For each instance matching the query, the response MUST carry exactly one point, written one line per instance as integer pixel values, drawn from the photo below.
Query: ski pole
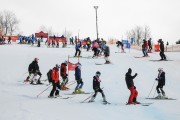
(70, 84)
(151, 89)
(44, 91)
(87, 98)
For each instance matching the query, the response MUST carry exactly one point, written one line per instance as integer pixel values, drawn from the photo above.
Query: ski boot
(159, 96)
(92, 99)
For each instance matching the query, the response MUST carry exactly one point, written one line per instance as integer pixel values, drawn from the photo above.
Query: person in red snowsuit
(55, 82)
(130, 85)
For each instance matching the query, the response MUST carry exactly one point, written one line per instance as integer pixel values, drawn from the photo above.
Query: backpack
(49, 76)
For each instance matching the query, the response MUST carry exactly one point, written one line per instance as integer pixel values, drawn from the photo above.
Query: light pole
(96, 7)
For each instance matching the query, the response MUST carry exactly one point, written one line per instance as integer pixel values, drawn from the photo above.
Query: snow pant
(159, 86)
(163, 57)
(145, 51)
(88, 47)
(78, 51)
(79, 84)
(133, 95)
(98, 90)
(54, 89)
(95, 52)
(150, 48)
(64, 81)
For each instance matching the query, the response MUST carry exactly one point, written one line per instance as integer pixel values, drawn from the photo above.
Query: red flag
(71, 66)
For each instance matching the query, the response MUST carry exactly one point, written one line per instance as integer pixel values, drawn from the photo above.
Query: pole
(44, 91)
(151, 89)
(96, 7)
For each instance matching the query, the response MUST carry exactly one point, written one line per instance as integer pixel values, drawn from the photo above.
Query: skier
(77, 47)
(33, 69)
(95, 47)
(119, 43)
(163, 57)
(144, 48)
(9, 40)
(55, 82)
(106, 54)
(96, 87)
(131, 87)
(161, 83)
(78, 79)
(150, 45)
(64, 75)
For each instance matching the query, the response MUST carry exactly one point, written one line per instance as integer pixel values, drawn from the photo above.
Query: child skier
(55, 82)
(161, 83)
(131, 87)
(78, 78)
(96, 87)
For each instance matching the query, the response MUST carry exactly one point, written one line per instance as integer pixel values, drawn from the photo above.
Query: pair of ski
(162, 98)
(60, 97)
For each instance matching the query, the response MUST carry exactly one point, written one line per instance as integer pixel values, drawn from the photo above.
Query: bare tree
(13, 22)
(8, 22)
(1, 22)
(146, 32)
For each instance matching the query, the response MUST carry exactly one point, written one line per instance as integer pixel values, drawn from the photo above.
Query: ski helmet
(66, 62)
(57, 66)
(160, 69)
(98, 73)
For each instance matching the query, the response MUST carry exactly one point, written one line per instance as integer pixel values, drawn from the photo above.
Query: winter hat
(36, 59)
(129, 70)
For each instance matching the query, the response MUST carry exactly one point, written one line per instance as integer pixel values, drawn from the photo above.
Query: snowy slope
(19, 102)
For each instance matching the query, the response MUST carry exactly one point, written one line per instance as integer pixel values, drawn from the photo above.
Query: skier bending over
(78, 79)
(96, 87)
(33, 69)
(131, 87)
(161, 83)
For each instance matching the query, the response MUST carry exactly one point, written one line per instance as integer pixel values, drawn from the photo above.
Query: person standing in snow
(161, 83)
(163, 56)
(55, 82)
(34, 69)
(64, 75)
(106, 54)
(77, 47)
(130, 85)
(96, 87)
(150, 45)
(144, 48)
(78, 79)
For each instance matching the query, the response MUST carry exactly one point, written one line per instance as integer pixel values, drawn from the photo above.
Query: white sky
(115, 17)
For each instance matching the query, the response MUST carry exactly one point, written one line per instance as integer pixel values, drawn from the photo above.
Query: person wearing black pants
(161, 83)
(55, 82)
(96, 87)
(163, 56)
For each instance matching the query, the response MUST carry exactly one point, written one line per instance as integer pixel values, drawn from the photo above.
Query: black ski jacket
(33, 67)
(129, 79)
(96, 83)
(161, 79)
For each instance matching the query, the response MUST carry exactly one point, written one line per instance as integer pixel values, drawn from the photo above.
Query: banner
(13, 38)
(71, 66)
(59, 39)
(44, 35)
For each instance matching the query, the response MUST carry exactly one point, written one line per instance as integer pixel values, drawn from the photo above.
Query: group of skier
(61, 70)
